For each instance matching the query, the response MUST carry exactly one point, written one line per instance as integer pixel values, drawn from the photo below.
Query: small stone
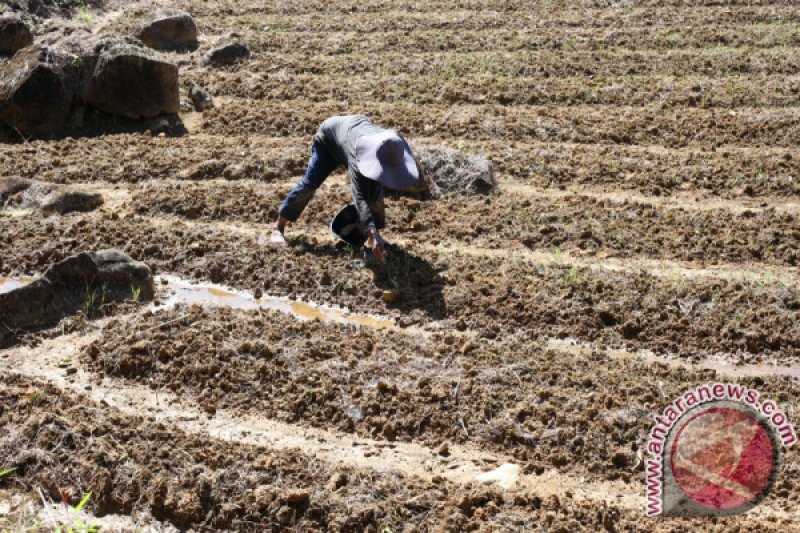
(226, 55)
(337, 481)
(298, 497)
(443, 450)
(200, 98)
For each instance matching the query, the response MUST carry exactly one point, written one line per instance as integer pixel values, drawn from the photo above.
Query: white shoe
(277, 238)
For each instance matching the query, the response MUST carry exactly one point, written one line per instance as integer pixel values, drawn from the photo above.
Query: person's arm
(365, 193)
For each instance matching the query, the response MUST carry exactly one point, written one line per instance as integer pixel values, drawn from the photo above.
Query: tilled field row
(120, 195)
(243, 472)
(689, 201)
(218, 483)
(346, 36)
(459, 465)
(485, 294)
(722, 92)
(371, 386)
(594, 225)
(732, 172)
(448, 65)
(298, 15)
(574, 124)
(313, 228)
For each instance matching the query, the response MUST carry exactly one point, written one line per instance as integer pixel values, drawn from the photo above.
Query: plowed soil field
(644, 239)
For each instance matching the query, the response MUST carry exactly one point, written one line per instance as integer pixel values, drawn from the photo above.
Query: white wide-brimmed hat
(386, 157)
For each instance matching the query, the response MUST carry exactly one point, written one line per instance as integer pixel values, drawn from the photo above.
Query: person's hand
(378, 246)
(277, 238)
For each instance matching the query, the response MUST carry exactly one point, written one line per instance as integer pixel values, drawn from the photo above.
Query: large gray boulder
(132, 82)
(171, 31)
(35, 91)
(40, 84)
(83, 281)
(14, 34)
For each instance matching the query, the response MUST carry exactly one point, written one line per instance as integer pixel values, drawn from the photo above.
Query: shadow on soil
(90, 123)
(419, 282)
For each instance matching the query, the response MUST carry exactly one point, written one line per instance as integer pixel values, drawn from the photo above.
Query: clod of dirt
(390, 295)
(226, 55)
(85, 280)
(66, 201)
(210, 169)
(298, 497)
(240, 171)
(453, 171)
(169, 31)
(14, 35)
(337, 481)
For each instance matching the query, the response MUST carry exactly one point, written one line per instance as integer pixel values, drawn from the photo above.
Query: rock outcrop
(83, 281)
(36, 91)
(130, 82)
(14, 34)
(48, 198)
(40, 85)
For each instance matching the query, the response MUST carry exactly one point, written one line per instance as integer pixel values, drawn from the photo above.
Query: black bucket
(347, 226)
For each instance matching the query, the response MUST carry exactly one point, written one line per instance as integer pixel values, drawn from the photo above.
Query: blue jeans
(320, 166)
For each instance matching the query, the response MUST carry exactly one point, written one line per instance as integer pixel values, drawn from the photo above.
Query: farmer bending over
(373, 157)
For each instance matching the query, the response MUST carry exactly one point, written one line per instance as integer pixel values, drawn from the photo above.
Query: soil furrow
(241, 473)
(590, 224)
(730, 172)
(299, 15)
(718, 92)
(575, 124)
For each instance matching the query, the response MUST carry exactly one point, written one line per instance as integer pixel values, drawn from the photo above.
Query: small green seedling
(85, 15)
(82, 503)
(79, 526)
(7, 471)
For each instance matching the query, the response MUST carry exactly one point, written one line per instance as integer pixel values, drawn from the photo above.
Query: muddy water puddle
(182, 291)
(718, 364)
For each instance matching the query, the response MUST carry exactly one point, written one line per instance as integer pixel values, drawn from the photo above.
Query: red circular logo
(722, 458)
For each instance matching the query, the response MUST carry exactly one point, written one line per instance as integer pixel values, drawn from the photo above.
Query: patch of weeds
(79, 526)
(571, 276)
(84, 15)
(33, 397)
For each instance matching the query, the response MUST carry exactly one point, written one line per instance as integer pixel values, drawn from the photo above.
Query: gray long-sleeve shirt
(339, 135)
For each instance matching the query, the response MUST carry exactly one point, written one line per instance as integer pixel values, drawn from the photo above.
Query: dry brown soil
(649, 194)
